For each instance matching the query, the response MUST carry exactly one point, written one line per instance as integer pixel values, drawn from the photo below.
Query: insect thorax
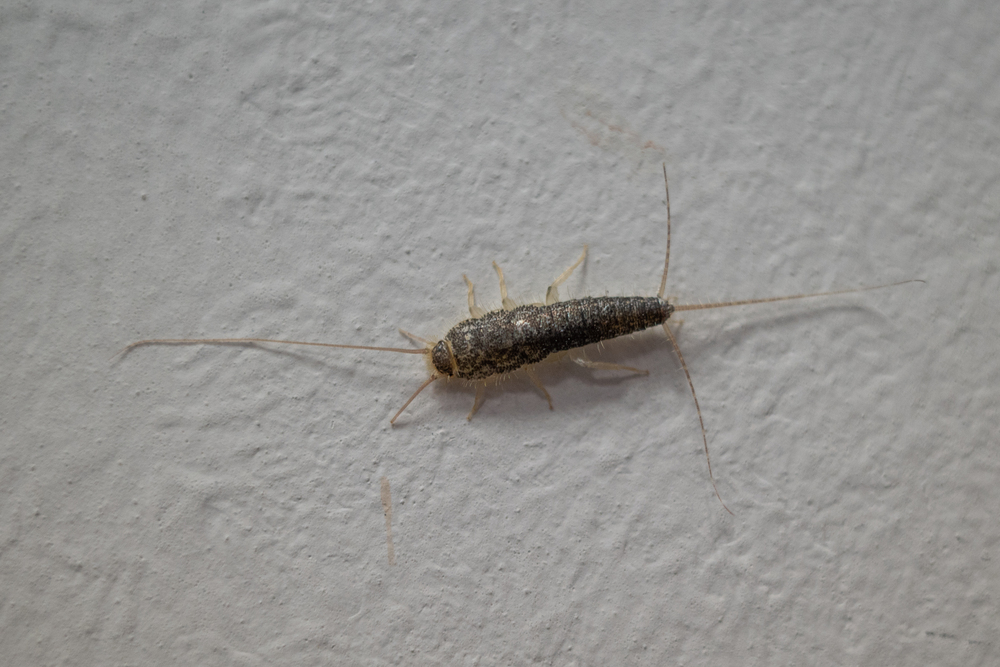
(501, 341)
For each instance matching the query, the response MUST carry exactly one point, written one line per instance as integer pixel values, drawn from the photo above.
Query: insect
(493, 344)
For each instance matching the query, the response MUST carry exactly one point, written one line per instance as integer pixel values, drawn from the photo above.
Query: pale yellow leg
(480, 395)
(604, 366)
(552, 295)
(508, 304)
(474, 310)
(538, 383)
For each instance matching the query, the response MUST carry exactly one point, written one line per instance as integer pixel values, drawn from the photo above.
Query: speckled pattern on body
(502, 341)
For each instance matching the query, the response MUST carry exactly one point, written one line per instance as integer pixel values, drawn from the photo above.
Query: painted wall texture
(328, 172)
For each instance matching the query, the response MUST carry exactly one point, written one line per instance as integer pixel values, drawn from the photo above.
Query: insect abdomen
(502, 341)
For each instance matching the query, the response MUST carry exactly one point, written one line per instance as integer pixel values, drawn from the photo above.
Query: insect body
(502, 341)
(494, 343)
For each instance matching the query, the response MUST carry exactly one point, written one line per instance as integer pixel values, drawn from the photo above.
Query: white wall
(328, 172)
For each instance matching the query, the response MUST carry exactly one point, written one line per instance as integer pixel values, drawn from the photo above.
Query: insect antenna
(410, 400)
(249, 341)
(246, 341)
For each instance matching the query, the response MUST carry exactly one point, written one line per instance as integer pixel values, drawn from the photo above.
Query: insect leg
(538, 383)
(552, 295)
(475, 311)
(604, 366)
(508, 304)
(480, 395)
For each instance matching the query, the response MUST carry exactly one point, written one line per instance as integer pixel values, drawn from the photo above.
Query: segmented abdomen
(502, 341)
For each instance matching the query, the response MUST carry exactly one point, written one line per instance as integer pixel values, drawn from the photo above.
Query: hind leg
(508, 304)
(552, 294)
(538, 383)
(604, 366)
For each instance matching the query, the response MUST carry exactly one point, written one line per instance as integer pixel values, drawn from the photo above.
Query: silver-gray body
(501, 341)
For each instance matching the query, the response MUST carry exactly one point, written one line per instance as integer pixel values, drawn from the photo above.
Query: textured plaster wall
(328, 171)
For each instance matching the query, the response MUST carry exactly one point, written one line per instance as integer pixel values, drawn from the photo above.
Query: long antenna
(244, 341)
(410, 400)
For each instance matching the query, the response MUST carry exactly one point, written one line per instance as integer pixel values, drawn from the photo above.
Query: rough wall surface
(328, 171)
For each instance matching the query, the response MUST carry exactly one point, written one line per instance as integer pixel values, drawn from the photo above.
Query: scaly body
(502, 341)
